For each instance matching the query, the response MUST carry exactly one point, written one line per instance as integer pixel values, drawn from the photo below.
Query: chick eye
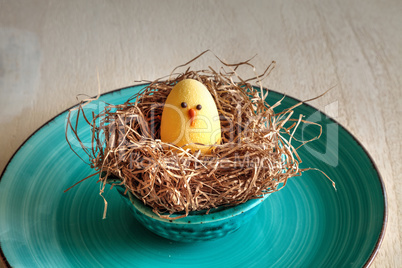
(199, 107)
(183, 104)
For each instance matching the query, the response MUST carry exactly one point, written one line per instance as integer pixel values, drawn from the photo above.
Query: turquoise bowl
(197, 226)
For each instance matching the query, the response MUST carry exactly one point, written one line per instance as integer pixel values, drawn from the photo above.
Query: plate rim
(380, 239)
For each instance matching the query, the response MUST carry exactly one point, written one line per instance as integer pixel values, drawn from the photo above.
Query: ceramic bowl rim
(216, 216)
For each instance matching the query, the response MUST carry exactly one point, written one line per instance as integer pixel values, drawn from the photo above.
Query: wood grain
(353, 46)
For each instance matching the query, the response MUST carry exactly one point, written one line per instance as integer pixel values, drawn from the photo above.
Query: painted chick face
(190, 117)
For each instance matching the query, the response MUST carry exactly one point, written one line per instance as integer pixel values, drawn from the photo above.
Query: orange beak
(192, 113)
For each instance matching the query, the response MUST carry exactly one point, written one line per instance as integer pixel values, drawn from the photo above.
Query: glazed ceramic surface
(306, 224)
(197, 226)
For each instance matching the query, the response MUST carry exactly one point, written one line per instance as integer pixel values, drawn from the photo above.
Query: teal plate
(306, 224)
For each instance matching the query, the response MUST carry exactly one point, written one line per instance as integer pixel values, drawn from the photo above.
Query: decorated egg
(190, 118)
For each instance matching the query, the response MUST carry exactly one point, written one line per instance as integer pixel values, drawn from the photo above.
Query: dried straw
(256, 156)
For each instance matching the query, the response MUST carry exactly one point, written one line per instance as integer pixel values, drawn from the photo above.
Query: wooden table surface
(50, 51)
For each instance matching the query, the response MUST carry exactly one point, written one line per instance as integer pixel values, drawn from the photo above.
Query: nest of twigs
(255, 157)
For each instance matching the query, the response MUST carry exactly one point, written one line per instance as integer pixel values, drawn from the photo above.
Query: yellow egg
(190, 117)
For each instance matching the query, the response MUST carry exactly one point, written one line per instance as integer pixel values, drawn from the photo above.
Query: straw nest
(255, 157)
